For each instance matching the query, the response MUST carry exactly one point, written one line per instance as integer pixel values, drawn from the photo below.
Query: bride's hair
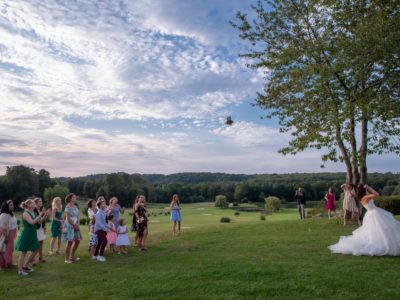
(360, 192)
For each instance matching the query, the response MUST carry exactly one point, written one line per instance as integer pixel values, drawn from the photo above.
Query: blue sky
(136, 86)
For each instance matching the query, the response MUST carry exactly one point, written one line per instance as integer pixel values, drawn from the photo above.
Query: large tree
(332, 73)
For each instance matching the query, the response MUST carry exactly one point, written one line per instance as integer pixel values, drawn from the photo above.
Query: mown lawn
(280, 258)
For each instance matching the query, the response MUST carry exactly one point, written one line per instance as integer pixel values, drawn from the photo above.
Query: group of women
(105, 227)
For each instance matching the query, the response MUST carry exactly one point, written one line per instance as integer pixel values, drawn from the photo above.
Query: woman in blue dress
(115, 209)
(175, 213)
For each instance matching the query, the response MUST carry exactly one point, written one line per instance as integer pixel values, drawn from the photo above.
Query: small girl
(56, 225)
(93, 238)
(123, 238)
(175, 213)
(111, 234)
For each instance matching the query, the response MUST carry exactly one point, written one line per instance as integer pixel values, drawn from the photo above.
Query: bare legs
(174, 227)
(74, 247)
(52, 242)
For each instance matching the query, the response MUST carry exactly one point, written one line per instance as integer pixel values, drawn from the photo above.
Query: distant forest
(21, 182)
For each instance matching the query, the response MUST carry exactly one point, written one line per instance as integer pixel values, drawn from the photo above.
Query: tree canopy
(332, 73)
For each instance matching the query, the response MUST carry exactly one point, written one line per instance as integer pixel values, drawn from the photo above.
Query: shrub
(56, 191)
(220, 201)
(235, 204)
(225, 220)
(272, 204)
(237, 213)
(396, 191)
(262, 217)
(317, 210)
(83, 221)
(389, 203)
(388, 190)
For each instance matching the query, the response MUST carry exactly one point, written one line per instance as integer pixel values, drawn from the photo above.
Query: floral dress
(69, 233)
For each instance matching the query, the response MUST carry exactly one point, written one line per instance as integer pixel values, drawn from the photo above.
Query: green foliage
(55, 191)
(327, 65)
(388, 190)
(396, 191)
(225, 220)
(220, 201)
(389, 203)
(83, 221)
(272, 204)
(262, 217)
(237, 213)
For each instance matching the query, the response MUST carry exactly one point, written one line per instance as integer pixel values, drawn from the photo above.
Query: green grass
(280, 258)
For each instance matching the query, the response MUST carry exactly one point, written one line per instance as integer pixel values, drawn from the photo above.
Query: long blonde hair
(54, 203)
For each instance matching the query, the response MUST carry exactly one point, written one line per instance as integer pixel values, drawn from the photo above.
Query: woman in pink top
(330, 202)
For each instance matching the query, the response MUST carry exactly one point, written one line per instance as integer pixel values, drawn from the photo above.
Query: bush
(235, 204)
(262, 217)
(55, 191)
(272, 204)
(237, 213)
(388, 190)
(225, 220)
(83, 221)
(317, 210)
(396, 191)
(389, 203)
(220, 201)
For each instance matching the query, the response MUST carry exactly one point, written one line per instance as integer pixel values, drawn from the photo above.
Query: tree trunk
(363, 149)
(354, 152)
(343, 151)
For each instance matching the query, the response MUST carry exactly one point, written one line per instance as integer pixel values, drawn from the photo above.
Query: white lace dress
(379, 235)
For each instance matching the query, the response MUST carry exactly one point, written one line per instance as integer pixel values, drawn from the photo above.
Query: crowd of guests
(106, 227)
(350, 206)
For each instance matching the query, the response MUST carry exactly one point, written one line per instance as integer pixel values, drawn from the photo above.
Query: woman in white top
(8, 232)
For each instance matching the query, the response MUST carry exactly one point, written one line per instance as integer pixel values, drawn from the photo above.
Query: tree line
(21, 182)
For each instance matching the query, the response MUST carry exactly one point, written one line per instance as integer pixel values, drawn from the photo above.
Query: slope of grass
(280, 258)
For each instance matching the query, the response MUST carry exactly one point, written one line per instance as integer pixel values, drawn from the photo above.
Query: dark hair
(5, 208)
(360, 192)
(89, 203)
(69, 197)
(110, 217)
(121, 221)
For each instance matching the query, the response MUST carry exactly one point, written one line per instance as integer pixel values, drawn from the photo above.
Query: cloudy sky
(136, 86)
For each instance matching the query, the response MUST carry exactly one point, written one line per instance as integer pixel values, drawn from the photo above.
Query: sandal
(58, 252)
(68, 261)
(75, 259)
(22, 273)
(50, 253)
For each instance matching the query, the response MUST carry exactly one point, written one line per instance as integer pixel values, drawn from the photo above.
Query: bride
(379, 234)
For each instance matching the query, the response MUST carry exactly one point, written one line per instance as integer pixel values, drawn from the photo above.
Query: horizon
(137, 86)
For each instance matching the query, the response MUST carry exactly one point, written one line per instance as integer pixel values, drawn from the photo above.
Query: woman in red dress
(330, 202)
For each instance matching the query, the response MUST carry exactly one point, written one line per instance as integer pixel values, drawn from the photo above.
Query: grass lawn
(280, 258)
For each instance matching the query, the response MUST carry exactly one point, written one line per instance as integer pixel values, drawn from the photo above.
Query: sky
(136, 86)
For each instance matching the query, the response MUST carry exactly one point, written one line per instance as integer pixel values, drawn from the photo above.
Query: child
(141, 219)
(100, 228)
(111, 234)
(175, 213)
(93, 238)
(123, 238)
(56, 225)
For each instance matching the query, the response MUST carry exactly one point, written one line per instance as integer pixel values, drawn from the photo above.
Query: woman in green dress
(27, 240)
(56, 224)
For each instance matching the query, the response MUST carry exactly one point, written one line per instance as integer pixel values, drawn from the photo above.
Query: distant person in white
(379, 233)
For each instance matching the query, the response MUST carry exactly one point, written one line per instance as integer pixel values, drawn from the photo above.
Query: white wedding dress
(379, 235)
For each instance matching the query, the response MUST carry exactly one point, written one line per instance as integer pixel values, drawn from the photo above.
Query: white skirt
(379, 235)
(40, 234)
